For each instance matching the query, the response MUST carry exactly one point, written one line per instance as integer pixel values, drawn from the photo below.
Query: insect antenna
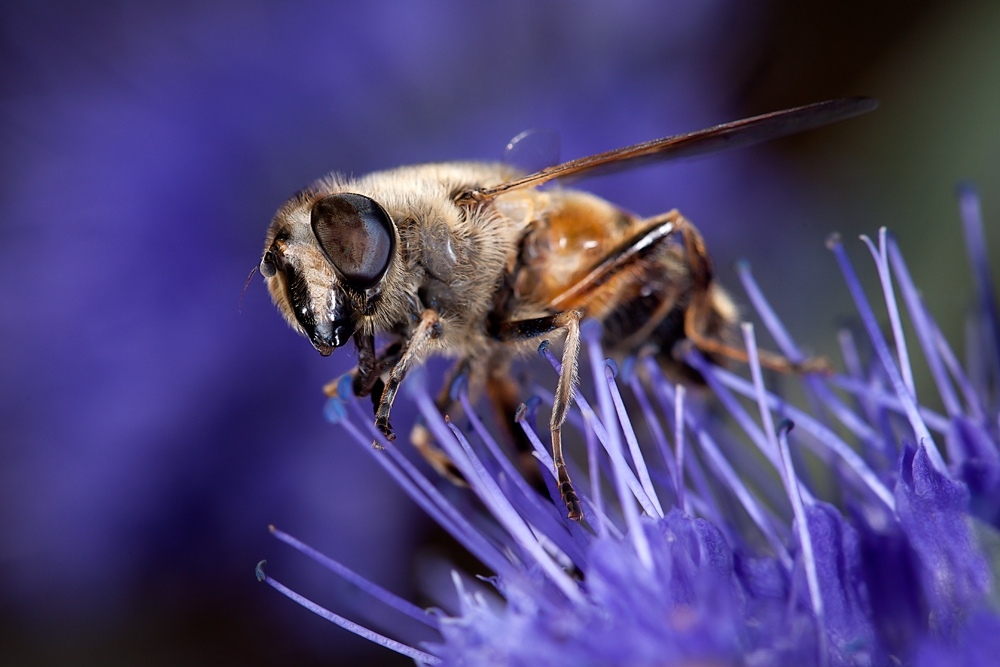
(239, 306)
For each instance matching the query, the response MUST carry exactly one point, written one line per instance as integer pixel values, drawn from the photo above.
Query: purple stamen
(540, 452)
(583, 422)
(849, 352)
(810, 425)
(742, 417)
(877, 395)
(655, 429)
(966, 386)
(885, 277)
(591, 333)
(603, 437)
(767, 315)
(359, 630)
(591, 512)
(882, 350)
(788, 347)
(805, 539)
(679, 392)
(483, 483)
(743, 494)
(633, 444)
(975, 241)
(664, 393)
(977, 357)
(595, 481)
(817, 393)
(848, 417)
(543, 515)
(766, 419)
(924, 329)
(439, 509)
(461, 454)
(545, 466)
(880, 450)
(729, 477)
(373, 589)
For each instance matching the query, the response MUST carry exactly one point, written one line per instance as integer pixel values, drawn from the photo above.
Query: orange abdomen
(568, 240)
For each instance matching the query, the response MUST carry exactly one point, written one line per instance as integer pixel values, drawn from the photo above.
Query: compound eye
(356, 236)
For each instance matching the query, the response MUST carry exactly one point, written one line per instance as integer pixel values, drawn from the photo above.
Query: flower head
(695, 557)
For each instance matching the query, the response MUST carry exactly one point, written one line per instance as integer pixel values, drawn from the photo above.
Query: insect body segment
(455, 259)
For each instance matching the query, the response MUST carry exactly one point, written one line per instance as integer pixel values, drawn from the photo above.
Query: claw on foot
(572, 501)
(568, 494)
(383, 425)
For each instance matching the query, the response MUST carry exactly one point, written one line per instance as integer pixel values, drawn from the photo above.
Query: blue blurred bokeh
(151, 431)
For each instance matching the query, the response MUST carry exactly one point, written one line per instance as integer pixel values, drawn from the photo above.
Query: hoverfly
(455, 259)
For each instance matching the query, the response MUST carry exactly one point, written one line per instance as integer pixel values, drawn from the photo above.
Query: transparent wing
(719, 138)
(529, 152)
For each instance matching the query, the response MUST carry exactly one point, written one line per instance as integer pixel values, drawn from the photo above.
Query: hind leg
(703, 307)
(504, 394)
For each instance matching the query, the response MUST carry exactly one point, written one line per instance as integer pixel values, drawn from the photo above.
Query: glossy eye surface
(356, 237)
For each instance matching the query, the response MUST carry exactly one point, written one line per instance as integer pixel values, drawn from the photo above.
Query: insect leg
(423, 441)
(524, 329)
(368, 369)
(615, 267)
(564, 394)
(367, 374)
(700, 309)
(428, 329)
(504, 396)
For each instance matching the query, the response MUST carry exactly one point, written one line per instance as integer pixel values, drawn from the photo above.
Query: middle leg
(617, 268)
(532, 328)
(420, 435)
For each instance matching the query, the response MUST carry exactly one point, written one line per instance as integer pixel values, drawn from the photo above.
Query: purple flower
(690, 555)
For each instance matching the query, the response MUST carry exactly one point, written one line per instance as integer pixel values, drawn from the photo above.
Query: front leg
(428, 330)
(367, 374)
(369, 368)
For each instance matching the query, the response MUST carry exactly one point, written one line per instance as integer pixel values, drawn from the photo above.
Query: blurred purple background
(151, 431)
